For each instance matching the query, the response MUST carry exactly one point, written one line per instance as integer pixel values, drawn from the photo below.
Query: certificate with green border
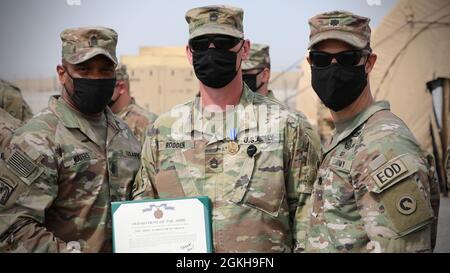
(180, 225)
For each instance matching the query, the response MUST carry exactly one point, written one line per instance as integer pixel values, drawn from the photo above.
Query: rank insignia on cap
(93, 41)
(334, 22)
(213, 16)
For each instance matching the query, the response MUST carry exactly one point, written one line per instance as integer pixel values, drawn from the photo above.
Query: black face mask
(215, 67)
(91, 95)
(250, 80)
(338, 86)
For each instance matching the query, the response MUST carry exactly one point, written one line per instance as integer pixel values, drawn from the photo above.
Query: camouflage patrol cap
(225, 20)
(340, 25)
(81, 44)
(121, 73)
(259, 57)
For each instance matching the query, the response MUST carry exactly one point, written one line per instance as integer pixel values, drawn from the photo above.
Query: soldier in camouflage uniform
(12, 101)
(374, 186)
(125, 107)
(64, 167)
(249, 154)
(8, 124)
(256, 74)
(256, 69)
(325, 125)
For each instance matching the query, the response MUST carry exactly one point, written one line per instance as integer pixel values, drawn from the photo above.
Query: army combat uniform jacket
(309, 130)
(12, 101)
(137, 118)
(373, 189)
(257, 190)
(58, 183)
(8, 125)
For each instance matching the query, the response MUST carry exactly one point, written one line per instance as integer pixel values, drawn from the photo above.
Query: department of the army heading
(181, 225)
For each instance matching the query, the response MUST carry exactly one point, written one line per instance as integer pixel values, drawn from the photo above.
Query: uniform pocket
(266, 189)
(123, 166)
(181, 163)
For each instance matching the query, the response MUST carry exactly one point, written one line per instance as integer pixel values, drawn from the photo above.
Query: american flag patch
(21, 164)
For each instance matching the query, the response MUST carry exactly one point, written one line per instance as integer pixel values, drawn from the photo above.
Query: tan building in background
(160, 77)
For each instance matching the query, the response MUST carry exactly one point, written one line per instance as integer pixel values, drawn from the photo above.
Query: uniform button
(251, 150)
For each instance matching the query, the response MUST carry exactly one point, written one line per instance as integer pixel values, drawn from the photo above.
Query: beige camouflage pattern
(138, 119)
(12, 101)
(309, 130)
(8, 124)
(58, 183)
(121, 73)
(257, 197)
(81, 44)
(219, 19)
(373, 189)
(258, 58)
(325, 124)
(340, 25)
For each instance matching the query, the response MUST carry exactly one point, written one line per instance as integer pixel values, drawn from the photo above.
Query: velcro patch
(175, 145)
(21, 164)
(23, 167)
(214, 163)
(341, 163)
(72, 160)
(132, 154)
(81, 157)
(389, 172)
(406, 207)
(377, 162)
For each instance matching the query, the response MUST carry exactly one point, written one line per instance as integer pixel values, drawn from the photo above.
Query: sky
(30, 45)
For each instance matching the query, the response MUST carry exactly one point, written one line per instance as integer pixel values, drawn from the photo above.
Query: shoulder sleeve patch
(22, 166)
(406, 207)
(392, 171)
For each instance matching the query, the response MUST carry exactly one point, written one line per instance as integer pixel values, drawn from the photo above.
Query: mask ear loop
(365, 63)
(64, 85)
(118, 97)
(256, 75)
(243, 42)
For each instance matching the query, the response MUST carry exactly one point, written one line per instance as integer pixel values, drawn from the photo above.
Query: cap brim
(343, 36)
(216, 29)
(89, 53)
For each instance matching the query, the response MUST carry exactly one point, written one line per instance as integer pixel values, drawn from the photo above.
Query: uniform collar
(125, 110)
(71, 119)
(350, 126)
(270, 94)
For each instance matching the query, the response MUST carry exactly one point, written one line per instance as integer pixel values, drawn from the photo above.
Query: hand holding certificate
(181, 225)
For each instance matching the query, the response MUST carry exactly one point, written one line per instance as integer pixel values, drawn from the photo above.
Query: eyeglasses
(220, 42)
(344, 58)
